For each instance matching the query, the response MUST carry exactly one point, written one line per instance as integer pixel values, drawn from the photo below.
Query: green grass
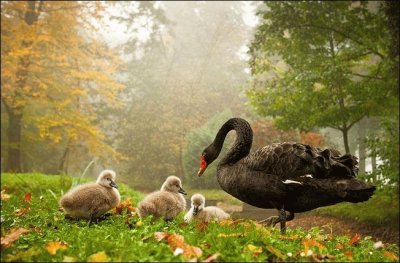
(381, 209)
(135, 241)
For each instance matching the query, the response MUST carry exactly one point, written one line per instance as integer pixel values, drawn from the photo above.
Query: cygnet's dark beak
(113, 184)
(195, 210)
(182, 191)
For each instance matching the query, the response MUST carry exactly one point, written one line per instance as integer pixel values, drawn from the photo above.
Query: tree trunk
(13, 161)
(346, 140)
(373, 163)
(361, 147)
(15, 113)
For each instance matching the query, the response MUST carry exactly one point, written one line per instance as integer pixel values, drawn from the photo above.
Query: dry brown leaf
(22, 211)
(13, 235)
(28, 197)
(52, 247)
(98, 257)
(4, 196)
(212, 258)
(202, 226)
(355, 239)
(391, 255)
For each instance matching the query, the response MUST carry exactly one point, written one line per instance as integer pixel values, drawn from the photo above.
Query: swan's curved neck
(243, 142)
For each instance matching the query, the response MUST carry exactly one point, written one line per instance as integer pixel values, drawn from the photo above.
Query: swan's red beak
(203, 166)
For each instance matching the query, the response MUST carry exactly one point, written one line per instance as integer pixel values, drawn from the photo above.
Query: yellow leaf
(69, 259)
(52, 247)
(98, 257)
(231, 235)
(13, 235)
(4, 196)
(276, 252)
(254, 249)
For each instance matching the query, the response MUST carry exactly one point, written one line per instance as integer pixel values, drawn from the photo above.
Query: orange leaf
(4, 196)
(348, 254)
(52, 247)
(212, 258)
(177, 244)
(339, 246)
(28, 197)
(390, 255)
(13, 235)
(308, 243)
(22, 211)
(355, 239)
(98, 257)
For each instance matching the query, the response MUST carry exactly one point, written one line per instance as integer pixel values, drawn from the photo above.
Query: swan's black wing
(293, 160)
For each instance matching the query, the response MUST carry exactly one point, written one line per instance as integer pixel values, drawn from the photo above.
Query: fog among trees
(142, 87)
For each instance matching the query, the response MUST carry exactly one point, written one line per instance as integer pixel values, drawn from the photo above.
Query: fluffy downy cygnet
(91, 200)
(167, 202)
(204, 214)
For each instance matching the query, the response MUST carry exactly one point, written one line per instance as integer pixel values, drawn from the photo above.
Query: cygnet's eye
(108, 179)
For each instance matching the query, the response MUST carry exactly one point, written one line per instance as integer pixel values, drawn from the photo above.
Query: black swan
(288, 176)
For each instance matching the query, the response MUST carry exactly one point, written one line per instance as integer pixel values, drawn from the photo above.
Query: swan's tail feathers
(355, 191)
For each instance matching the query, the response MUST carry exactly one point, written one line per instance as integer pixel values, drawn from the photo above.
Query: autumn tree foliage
(55, 75)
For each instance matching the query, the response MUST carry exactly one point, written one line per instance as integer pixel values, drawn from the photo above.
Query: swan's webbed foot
(282, 219)
(270, 221)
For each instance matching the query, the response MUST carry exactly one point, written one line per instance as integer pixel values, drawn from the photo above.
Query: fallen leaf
(98, 257)
(212, 258)
(4, 196)
(339, 246)
(52, 247)
(125, 205)
(13, 235)
(22, 211)
(28, 197)
(275, 252)
(254, 249)
(178, 246)
(348, 254)
(355, 239)
(160, 235)
(390, 255)
(308, 243)
(378, 245)
(202, 226)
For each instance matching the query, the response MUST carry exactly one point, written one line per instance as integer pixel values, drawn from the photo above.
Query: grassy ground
(125, 238)
(381, 209)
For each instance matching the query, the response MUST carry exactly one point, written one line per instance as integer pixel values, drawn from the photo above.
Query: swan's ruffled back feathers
(291, 160)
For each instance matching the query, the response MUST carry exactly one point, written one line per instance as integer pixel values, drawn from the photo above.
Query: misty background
(164, 76)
